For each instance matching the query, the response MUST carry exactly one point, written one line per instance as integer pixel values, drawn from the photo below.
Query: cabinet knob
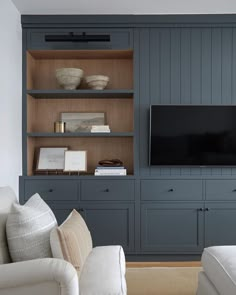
(234, 190)
(106, 190)
(201, 209)
(207, 209)
(50, 190)
(171, 190)
(81, 210)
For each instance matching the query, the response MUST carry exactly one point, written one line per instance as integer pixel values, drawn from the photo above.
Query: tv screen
(192, 135)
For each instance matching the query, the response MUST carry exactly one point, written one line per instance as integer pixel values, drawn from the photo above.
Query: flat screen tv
(192, 135)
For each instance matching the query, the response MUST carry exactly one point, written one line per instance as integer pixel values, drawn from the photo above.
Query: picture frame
(75, 161)
(82, 121)
(50, 158)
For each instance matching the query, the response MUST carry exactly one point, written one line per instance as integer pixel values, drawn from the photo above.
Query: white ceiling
(125, 6)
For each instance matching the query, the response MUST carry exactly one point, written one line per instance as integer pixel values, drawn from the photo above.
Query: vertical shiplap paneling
(234, 66)
(195, 77)
(216, 51)
(165, 75)
(206, 67)
(185, 74)
(226, 77)
(144, 93)
(165, 61)
(175, 94)
(196, 52)
(155, 88)
(175, 76)
(193, 66)
(234, 75)
(227, 66)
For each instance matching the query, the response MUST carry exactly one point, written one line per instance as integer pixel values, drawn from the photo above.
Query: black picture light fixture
(71, 37)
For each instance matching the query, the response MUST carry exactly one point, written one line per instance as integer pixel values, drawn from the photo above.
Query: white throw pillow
(28, 230)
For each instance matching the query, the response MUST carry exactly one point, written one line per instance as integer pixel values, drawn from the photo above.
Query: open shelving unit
(46, 100)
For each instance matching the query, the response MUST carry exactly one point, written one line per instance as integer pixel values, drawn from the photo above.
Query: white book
(100, 131)
(111, 172)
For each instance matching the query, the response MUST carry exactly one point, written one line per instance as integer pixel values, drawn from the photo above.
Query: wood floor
(164, 264)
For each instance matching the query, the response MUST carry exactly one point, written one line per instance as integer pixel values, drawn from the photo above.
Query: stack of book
(100, 128)
(110, 171)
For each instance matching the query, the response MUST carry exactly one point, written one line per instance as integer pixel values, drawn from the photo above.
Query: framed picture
(82, 122)
(51, 158)
(75, 161)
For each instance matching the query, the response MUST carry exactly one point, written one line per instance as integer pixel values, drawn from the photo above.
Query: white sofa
(219, 271)
(103, 272)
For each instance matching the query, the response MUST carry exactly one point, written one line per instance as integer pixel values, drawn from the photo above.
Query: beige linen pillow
(28, 230)
(72, 241)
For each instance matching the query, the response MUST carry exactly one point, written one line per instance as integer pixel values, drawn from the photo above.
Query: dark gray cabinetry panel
(107, 190)
(221, 190)
(185, 65)
(172, 227)
(52, 189)
(170, 190)
(220, 221)
(119, 39)
(110, 224)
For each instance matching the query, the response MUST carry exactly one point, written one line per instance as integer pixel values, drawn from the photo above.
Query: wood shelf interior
(116, 64)
(42, 113)
(97, 149)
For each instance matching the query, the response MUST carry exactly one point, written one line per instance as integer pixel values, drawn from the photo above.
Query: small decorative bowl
(69, 78)
(97, 82)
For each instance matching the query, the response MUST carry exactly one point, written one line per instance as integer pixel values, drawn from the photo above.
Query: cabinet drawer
(107, 190)
(170, 190)
(41, 39)
(221, 190)
(52, 190)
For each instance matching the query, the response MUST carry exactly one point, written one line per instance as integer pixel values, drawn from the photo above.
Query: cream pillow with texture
(72, 241)
(7, 198)
(28, 230)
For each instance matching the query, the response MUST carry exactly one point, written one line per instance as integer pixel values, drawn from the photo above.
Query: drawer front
(52, 190)
(107, 190)
(171, 190)
(221, 190)
(119, 39)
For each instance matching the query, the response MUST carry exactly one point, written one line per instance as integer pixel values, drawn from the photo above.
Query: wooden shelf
(80, 134)
(81, 54)
(83, 93)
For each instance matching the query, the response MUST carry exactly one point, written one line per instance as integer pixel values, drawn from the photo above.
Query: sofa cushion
(107, 265)
(219, 264)
(7, 198)
(28, 230)
(72, 240)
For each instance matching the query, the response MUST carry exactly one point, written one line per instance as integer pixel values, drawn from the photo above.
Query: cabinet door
(43, 39)
(172, 227)
(110, 224)
(220, 222)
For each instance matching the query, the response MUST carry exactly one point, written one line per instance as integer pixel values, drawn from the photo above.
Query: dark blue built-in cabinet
(155, 213)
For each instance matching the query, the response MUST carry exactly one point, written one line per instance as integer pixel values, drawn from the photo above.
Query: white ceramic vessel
(69, 78)
(97, 82)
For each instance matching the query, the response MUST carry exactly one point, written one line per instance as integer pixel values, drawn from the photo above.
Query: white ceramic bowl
(69, 78)
(97, 82)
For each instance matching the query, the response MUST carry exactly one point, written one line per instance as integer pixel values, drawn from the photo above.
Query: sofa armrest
(103, 272)
(35, 272)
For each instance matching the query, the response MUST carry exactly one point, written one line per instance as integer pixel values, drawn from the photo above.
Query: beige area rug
(162, 280)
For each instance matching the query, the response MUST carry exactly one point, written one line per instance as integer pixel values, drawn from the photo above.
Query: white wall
(125, 6)
(10, 94)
